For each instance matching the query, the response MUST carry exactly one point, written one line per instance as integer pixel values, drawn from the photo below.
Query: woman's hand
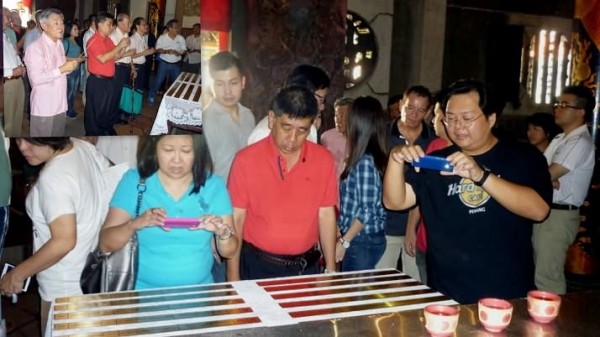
(340, 251)
(213, 223)
(11, 283)
(151, 217)
(410, 243)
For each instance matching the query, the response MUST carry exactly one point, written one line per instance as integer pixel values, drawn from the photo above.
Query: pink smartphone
(182, 222)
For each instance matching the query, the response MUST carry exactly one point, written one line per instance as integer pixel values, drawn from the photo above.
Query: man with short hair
(571, 160)
(307, 76)
(171, 47)
(124, 68)
(84, 71)
(12, 36)
(100, 91)
(479, 216)
(14, 93)
(335, 139)
(284, 190)
(226, 123)
(409, 128)
(48, 68)
(193, 44)
(140, 45)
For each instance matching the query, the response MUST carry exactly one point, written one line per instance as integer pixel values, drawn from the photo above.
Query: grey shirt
(224, 135)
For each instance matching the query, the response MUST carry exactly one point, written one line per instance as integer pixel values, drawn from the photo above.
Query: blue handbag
(131, 100)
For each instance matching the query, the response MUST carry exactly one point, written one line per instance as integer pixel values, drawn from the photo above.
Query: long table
(245, 308)
(181, 104)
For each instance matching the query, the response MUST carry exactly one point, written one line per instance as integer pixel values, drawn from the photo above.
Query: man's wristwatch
(484, 177)
(227, 234)
(345, 243)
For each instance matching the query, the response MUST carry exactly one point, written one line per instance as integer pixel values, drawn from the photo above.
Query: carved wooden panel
(282, 34)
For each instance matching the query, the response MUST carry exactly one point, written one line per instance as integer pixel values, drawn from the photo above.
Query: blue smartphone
(434, 163)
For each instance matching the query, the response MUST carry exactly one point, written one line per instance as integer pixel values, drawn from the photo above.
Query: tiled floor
(139, 125)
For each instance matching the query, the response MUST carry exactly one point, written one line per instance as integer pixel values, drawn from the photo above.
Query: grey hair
(46, 13)
(343, 101)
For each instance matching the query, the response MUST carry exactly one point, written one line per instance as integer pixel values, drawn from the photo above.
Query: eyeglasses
(466, 122)
(564, 105)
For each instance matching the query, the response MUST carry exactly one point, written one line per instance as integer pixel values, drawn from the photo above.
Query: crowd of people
(282, 203)
(46, 66)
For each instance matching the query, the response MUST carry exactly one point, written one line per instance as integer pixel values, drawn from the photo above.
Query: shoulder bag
(116, 271)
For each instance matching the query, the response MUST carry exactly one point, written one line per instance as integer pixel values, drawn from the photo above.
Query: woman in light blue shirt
(179, 183)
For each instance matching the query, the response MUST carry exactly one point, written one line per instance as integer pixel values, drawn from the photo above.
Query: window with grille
(546, 65)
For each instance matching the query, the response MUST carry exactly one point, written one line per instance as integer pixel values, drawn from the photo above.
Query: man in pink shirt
(48, 67)
(335, 139)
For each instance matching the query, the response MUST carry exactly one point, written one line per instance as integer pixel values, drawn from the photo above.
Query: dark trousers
(99, 107)
(122, 77)
(141, 76)
(253, 266)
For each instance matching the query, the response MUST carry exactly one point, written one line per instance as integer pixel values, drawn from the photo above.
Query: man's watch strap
(484, 177)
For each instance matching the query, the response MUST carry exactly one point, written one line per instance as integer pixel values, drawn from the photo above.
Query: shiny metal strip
(170, 318)
(195, 327)
(133, 310)
(330, 291)
(325, 277)
(138, 293)
(363, 307)
(146, 300)
(323, 283)
(379, 296)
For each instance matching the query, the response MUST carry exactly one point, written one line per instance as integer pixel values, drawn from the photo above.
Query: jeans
(164, 69)
(364, 252)
(73, 79)
(4, 213)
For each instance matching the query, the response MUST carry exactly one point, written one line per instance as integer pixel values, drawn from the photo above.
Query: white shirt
(166, 42)
(116, 36)
(70, 183)
(11, 59)
(261, 131)
(86, 37)
(119, 150)
(192, 42)
(139, 44)
(574, 152)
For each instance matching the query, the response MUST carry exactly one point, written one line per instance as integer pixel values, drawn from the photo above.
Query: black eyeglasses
(564, 105)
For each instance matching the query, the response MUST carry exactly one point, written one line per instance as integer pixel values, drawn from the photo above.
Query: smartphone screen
(182, 222)
(434, 163)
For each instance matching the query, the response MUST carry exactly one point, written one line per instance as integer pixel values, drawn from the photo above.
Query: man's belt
(121, 64)
(303, 260)
(163, 60)
(6, 79)
(102, 77)
(564, 207)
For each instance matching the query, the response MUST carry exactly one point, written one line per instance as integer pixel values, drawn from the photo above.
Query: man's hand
(19, 71)
(124, 43)
(69, 66)
(134, 73)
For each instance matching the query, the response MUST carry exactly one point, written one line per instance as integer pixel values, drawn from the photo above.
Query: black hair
(202, 168)
(585, 99)
(55, 143)
(136, 22)
(69, 27)
(307, 76)
(488, 102)
(546, 122)
(420, 91)
(103, 16)
(170, 23)
(296, 102)
(223, 61)
(393, 100)
(365, 125)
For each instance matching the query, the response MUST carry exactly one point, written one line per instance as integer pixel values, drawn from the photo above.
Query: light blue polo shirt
(180, 256)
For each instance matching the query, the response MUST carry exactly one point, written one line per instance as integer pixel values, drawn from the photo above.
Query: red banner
(215, 15)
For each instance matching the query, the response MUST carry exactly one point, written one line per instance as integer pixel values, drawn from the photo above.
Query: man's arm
(233, 264)
(115, 53)
(328, 235)
(397, 194)
(557, 171)
(63, 232)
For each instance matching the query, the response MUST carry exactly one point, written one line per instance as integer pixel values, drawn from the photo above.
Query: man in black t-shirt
(479, 217)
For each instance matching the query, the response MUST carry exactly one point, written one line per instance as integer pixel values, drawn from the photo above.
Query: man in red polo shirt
(284, 190)
(102, 54)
